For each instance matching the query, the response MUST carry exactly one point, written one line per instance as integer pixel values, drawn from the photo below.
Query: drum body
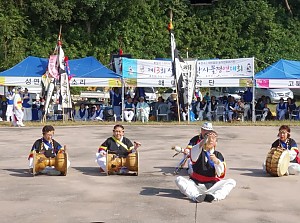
(114, 164)
(40, 162)
(61, 163)
(277, 162)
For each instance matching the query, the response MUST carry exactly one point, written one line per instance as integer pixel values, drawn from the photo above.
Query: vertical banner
(189, 80)
(65, 91)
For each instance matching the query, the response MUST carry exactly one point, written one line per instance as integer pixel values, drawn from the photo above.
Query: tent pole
(253, 94)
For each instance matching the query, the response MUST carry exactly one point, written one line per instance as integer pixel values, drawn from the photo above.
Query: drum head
(107, 164)
(34, 163)
(138, 161)
(283, 163)
(64, 172)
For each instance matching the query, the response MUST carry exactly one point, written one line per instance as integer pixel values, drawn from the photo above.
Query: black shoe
(200, 198)
(209, 198)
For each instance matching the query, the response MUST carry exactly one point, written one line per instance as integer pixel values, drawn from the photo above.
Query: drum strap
(120, 143)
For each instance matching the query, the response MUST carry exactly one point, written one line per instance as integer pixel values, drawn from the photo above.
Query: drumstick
(137, 143)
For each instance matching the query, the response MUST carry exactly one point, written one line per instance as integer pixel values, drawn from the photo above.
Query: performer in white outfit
(118, 144)
(49, 147)
(10, 94)
(286, 142)
(17, 111)
(206, 183)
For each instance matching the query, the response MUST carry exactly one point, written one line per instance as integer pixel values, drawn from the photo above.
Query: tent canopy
(282, 69)
(88, 67)
(29, 67)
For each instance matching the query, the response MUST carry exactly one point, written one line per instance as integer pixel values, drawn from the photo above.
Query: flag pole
(170, 27)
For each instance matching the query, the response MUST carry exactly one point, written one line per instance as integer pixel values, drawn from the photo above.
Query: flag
(177, 63)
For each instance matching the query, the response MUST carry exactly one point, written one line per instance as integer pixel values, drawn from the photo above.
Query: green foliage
(263, 29)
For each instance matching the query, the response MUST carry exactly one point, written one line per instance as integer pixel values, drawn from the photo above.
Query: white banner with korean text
(225, 68)
(143, 73)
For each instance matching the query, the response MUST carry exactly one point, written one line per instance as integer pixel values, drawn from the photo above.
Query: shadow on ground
(251, 172)
(19, 172)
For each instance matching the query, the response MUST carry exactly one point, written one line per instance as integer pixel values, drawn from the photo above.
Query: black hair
(47, 128)
(119, 126)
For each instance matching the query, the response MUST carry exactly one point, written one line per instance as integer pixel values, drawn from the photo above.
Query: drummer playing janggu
(286, 142)
(47, 146)
(117, 144)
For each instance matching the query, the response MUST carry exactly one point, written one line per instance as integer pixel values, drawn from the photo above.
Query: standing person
(118, 144)
(10, 94)
(3, 107)
(207, 182)
(27, 106)
(47, 146)
(17, 109)
(286, 142)
(116, 102)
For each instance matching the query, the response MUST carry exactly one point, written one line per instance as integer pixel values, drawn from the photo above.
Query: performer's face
(118, 132)
(283, 135)
(211, 141)
(48, 135)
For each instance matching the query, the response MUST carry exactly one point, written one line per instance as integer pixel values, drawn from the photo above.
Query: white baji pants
(128, 115)
(101, 160)
(219, 190)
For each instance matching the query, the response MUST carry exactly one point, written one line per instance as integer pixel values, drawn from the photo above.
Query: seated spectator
(281, 109)
(239, 110)
(212, 108)
(230, 108)
(160, 101)
(291, 106)
(173, 107)
(201, 108)
(82, 113)
(194, 107)
(92, 112)
(129, 110)
(98, 114)
(142, 110)
(266, 113)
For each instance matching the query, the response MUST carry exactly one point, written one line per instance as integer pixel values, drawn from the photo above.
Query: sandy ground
(85, 195)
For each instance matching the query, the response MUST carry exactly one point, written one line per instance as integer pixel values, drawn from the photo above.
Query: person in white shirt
(98, 114)
(129, 110)
(82, 113)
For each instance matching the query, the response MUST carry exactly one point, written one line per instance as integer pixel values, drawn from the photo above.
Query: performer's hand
(136, 144)
(214, 158)
(102, 153)
(186, 152)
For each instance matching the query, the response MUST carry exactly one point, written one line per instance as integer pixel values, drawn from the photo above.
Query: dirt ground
(85, 195)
